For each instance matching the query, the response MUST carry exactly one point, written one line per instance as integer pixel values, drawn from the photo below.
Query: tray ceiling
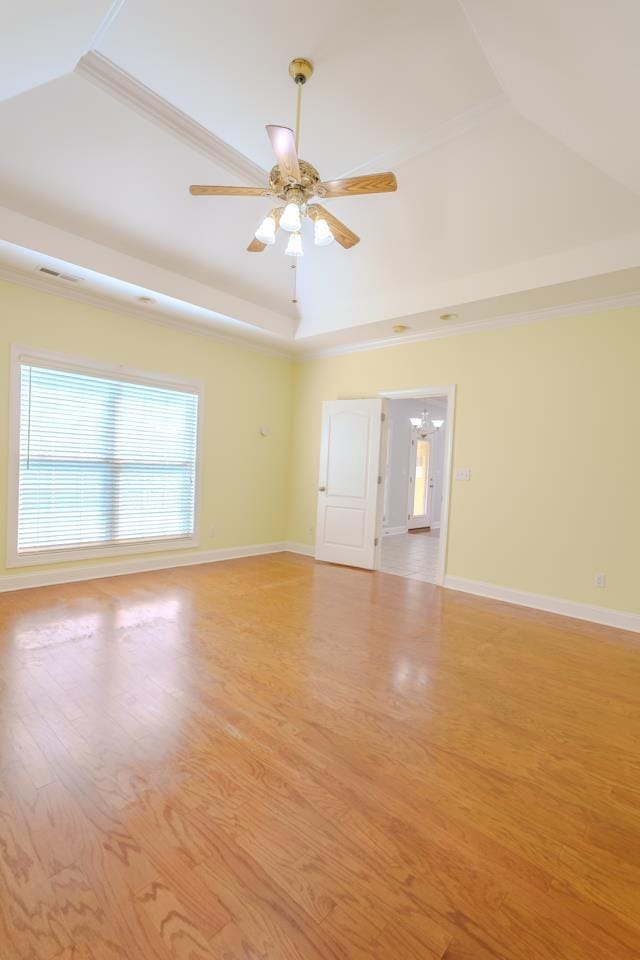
(517, 161)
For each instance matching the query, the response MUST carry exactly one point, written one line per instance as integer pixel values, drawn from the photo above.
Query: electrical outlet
(463, 473)
(212, 533)
(601, 579)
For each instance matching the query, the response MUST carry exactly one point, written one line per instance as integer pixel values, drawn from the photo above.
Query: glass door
(419, 483)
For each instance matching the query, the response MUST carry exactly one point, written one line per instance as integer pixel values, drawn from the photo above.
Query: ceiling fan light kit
(266, 232)
(297, 184)
(322, 235)
(290, 219)
(294, 247)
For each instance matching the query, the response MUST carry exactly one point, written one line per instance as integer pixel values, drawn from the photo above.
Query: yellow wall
(548, 420)
(244, 476)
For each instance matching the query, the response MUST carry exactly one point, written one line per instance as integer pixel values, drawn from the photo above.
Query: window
(103, 461)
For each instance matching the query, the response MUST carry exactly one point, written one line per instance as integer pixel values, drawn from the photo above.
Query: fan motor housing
(309, 179)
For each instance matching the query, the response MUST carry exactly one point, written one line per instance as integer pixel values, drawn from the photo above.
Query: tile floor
(412, 555)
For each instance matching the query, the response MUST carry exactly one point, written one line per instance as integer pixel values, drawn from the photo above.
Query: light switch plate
(463, 473)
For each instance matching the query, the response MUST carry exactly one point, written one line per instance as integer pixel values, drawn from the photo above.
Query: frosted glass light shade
(290, 219)
(437, 423)
(415, 422)
(322, 235)
(266, 232)
(294, 247)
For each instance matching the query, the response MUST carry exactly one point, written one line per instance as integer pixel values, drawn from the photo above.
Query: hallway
(412, 555)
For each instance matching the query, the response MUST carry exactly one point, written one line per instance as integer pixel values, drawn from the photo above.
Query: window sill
(98, 552)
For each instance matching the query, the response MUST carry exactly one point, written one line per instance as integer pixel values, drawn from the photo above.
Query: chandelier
(425, 426)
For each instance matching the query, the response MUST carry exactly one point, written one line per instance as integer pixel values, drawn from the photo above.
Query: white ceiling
(572, 67)
(40, 40)
(378, 66)
(510, 127)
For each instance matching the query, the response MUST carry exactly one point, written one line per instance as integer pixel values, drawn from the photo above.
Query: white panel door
(348, 486)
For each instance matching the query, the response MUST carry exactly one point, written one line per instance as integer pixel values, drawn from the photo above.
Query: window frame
(59, 361)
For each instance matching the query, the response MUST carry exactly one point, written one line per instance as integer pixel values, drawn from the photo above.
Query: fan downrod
(300, 70)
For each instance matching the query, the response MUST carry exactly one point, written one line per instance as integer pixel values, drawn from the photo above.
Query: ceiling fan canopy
(298, 185)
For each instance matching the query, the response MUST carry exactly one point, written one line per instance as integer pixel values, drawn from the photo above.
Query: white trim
(395, 531)
(537, 601)
(580, 308)
(38, 282)
(568, 608)
(105, 23)
(98, 571)
(115, 81)
(449, 392)
(492, 109)
(99, 368)
(302, 548)
(18, 354)
(297, 352)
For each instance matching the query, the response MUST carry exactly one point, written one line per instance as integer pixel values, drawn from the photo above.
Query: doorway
(362, 443)
(416, 485)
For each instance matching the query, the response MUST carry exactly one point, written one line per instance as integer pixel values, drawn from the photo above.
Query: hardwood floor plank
(272, 759)
(83, 919)
(232, 943)
(182, 938)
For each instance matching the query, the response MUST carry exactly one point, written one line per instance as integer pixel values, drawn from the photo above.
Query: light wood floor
(269, 758)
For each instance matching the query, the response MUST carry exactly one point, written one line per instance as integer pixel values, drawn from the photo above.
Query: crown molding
(105, 23)
(491, 323)
(580, 308)
(53, 287)
(115, 81)
(486, 111)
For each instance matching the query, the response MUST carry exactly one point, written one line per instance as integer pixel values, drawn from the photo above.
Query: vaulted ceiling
(510, 126)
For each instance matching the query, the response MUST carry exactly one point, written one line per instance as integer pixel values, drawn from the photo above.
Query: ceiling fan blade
(257, 246)
(345, 237)
(203, 190)
(283, 142)
(352, 186)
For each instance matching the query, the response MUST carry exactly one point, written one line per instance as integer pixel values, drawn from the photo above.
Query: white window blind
(103, 461)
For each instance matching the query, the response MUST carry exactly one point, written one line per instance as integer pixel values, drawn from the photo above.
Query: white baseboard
(302, 548)
(393, 531)
(566, 608)
(95, 571)
(163, 561)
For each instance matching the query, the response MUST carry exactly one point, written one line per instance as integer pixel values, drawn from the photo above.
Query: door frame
(419, 393)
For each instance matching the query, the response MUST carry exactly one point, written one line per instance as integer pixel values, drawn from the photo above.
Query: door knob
(322, 489)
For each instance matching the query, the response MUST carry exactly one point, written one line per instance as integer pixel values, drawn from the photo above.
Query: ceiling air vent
(61, 276)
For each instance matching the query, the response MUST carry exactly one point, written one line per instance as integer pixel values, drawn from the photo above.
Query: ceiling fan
(297, 183)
